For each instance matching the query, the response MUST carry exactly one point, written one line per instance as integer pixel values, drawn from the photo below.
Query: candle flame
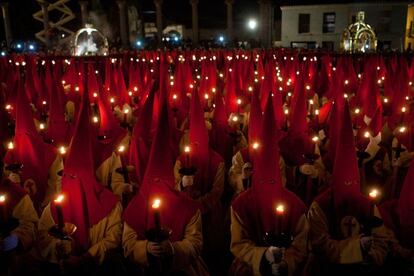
(366, 134)
(8, 107)
(311, 102)
(385, 100)
(346, 82)
(130, 93)
(2, 199)
(403, 109)
(112, 100)
(95, 119)
(77, 88)
(308, 87)
(206, 96)
(213, 90)
(239, 101)
(44, 102)
(121, 148)
(126, 111)
(187, 149)
(156, 203)
(62, 150)
(10, 145)
(235, 118)
(316, 111)
(135, 88)
(42, 126)
(315, 138)
(374, 194)
(402, 129)
(280, 209)
(286, 111)
(345, 96)
(357, 110)
(256, 145)
(59, 199)
(95, 95)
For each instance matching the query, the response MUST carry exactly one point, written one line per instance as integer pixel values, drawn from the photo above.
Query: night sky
(212, 13)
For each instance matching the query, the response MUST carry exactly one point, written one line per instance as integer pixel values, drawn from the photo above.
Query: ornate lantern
(89, 41)
(359, 37)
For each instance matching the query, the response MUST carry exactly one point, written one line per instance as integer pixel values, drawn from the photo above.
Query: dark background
(212, 13)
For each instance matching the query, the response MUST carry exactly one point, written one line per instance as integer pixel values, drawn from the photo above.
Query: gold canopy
(359, 37)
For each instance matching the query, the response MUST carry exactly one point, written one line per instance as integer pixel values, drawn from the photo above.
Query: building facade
(321, 26)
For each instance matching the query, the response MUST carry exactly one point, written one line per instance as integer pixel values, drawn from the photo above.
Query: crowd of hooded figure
(262, 162)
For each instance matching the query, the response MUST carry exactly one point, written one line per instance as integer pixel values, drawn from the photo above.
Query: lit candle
(62, 150)
(255, 145)
(3, 211)
(121, 151)
(187, 151)
(156, 208)
(239, 102)
(403, 110)
(286, 118)
(126, 111)
(10, 145)
(206, 96)
(58, 204)
(280, 211)
(95, 119)
(373, 196)
(112, 101)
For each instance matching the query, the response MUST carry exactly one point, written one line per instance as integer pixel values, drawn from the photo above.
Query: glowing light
(174, 96)
(308, 87)
(280, 209)
(10, 146)
(112, 100)
(357, 111)
(345, 96)
(187, 149)
(250, 89)
(121, 148)
(403, 109)
(402, 129)
(374, 194)
(315, 138)
(235, 118)
(42, 126)
(126, 111)
(286, 111)
(95, 119)
(62, 150)
(367, 134)
(239, 101)
(8, 106)
(252, 24)
(59, 199)
(95, 95)
(2, 199)
(346, 82)
(385, 100)
(311, 102)
(156, 203)
(316, 111)
(77, 88)
(255, 145)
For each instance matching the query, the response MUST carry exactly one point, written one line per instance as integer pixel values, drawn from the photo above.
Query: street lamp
(252, 24)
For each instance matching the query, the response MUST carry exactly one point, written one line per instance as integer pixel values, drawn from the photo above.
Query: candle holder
(188, 171)
(278, 239)
(64, 233)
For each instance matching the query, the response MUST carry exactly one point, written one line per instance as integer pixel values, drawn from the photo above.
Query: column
(123, 27)
(6, 18)
(46, 26)
(266, 22)
(158, 9)
(229, 4)
(194, 9)
(84, 12)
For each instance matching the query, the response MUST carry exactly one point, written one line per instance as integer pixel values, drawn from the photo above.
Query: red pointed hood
(198, 132)
(256, 207)
(86, 201)
(345, 177)
(255, 118)
(141, 138)
(29, 149)
(175, 210)
(406, 209)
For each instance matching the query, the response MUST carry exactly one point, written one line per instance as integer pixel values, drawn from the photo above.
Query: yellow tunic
(186, 256)
(108, 168)
(54, 182)
(235, 172)
(103, 236)
(345, 251)
(211, 199)
(249, 253)
(27, 216)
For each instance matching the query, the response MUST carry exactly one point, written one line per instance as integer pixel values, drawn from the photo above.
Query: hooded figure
(264, 241)
(29, 152)
(90, 212)
(206, 185)
(398, 217)
(178, 215)
(344, 228)
(18, 227)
